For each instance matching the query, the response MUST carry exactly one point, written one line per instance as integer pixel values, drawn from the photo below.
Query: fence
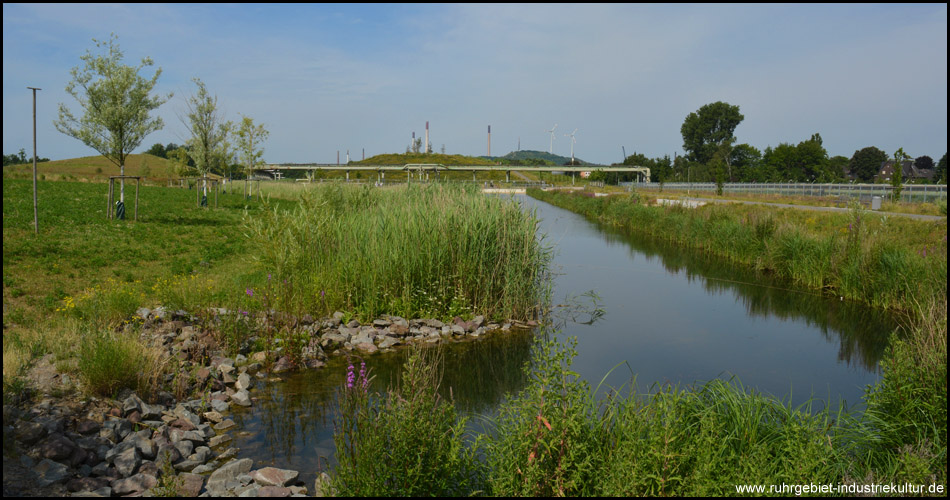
(861, 192)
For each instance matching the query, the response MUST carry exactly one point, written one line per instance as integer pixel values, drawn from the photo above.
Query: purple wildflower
(249, 292)
(350, 377)
(322, 294)
(268, 276)
(365, 382)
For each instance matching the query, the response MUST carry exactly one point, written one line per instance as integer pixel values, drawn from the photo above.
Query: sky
(330, 78)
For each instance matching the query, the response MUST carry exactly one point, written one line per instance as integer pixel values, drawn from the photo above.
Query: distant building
(911, 173)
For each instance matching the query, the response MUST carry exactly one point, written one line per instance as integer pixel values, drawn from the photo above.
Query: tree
(249, 143)
(706, 130)
(924, 163)
(897, 177)
(940, 172)
(866, 163)
(116, 100)
(745, 162)
(157, 150)
(209, 132)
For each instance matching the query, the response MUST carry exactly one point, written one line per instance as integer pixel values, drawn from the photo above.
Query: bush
(109, 362)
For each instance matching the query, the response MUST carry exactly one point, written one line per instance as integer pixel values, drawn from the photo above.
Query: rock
(187, 465)
(321, 487)
(389, 342)
(228, 472)
(143, 442)
(241, 398)
(201, 454)
(282, 365)
(182, 424)
(86, 484)
(30, 432)
(259, 357)
(224, 425)
(273, 491)
(399, 330)
(87, 426)
(272, 476)
(478, 321)
(184, 447)
(243, 382)
(190, 485)
(219, 405)
(381, 323)
(367, 347)
(434, 323)
(49, 472)
(212, 416)
(143, 313)
(126, 462)
(353, 324)
(215, 441)
(57, 447)
(120, 429)
(313, 364)
(133, 484)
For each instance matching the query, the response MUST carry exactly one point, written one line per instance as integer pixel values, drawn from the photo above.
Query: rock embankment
(130, 447)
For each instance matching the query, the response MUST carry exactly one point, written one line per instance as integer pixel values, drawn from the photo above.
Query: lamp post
(36, 217)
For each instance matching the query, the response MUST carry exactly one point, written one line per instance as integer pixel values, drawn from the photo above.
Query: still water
(673, 317)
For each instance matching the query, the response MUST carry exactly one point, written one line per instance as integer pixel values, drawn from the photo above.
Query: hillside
(529, 155)
(151, 167)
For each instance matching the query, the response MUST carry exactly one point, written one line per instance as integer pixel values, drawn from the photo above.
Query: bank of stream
(674, 317)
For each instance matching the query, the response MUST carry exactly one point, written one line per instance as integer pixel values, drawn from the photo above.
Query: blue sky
(327, 78)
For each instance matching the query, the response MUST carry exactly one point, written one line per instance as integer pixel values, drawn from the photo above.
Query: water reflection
(675, 316)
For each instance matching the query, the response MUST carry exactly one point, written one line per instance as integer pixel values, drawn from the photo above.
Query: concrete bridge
(436, 168)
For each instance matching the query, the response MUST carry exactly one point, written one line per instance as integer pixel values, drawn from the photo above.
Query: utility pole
(36, 217)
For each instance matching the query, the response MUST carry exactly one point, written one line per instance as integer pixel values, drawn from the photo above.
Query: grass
(432, 251)
(556, 437)
(863, 256)
(93, 168)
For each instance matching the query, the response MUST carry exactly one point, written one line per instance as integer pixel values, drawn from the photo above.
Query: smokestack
(489, 140)
(425, 147)
(338, 157)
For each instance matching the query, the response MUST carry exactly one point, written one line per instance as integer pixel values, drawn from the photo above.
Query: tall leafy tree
(116, 101)
(865, 163)
(940, 172)
(249, 143)
(745, 161)
(209, 132)
(924, 163)
(708, 129)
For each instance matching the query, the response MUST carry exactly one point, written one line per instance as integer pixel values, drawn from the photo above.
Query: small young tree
(116, 101)
(249, 143)
(208, 142)
(897, 177)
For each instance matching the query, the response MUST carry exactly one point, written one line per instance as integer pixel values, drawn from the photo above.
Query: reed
(418, 251)
(858, 256)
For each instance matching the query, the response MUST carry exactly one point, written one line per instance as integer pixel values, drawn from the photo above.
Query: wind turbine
(573, 141)
(552, 138)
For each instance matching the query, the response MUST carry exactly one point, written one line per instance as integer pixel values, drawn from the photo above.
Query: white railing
(861, 192)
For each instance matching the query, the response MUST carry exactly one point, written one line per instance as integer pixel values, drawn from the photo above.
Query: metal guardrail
(861, 192)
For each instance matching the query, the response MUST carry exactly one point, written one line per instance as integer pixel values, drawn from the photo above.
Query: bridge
(437, 168)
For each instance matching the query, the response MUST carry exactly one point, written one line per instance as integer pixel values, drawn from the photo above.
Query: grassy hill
(96, 168)
(516, 156)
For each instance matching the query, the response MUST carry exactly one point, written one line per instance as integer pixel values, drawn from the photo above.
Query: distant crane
(552, 138)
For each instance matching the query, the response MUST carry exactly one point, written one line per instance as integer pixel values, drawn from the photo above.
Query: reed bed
(881, 262)
(416, 251)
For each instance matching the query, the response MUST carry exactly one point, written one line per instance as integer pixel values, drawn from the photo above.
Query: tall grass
(414, 251)
(883, 265)
(409, 442)
(557, 438)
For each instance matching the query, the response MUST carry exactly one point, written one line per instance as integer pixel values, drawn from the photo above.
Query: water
(672, 316)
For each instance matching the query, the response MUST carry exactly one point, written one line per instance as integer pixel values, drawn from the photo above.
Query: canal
(669, 317)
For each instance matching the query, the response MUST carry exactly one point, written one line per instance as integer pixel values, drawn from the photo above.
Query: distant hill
(520, 156)
(95, 167)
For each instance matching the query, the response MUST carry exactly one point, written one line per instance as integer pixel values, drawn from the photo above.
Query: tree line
(712, 155)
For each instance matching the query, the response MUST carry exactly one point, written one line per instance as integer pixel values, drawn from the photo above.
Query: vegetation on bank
(560, 437)
(439, 252)
(857, 256)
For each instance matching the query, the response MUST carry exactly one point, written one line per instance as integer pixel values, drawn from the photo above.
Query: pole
(36, 216)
